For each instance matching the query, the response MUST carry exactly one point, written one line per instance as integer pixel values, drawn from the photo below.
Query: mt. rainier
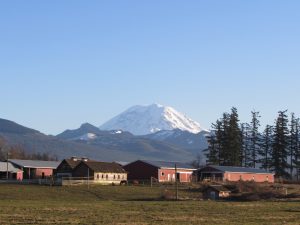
(142, 120)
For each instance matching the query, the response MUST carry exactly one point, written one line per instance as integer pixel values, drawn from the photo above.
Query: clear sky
(63, 63)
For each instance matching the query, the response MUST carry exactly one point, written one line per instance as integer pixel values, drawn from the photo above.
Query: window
(119, 177)
(106, 176)
(102, 176)
(98, 176)
(114, 176)
(162, 173)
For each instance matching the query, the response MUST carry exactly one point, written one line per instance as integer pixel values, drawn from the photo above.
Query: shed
(231, 173)
(215, 192)
(35, 169)
(7, 168)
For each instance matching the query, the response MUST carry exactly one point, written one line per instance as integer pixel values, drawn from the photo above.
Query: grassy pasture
(24, 204)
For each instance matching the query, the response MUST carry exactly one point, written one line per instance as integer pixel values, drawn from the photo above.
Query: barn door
(178, 177)
(213, 195)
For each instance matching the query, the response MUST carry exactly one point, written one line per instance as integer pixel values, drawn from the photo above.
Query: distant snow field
(142, 120)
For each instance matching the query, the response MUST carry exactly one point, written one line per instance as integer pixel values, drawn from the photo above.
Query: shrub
(167, 195)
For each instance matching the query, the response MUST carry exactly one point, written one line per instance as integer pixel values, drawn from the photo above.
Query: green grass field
(20, 204)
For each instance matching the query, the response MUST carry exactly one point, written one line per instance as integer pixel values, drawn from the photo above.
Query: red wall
(47, 172)
(168, 175)
(249, 177)
(19, 175)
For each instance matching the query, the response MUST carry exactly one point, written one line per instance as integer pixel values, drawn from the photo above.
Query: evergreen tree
(266, 148)
(246, 154)
(292, 143)
(280, 145)
(212, 154)
(294, 146)
(234, 140)
(255, 139)
(225, 142)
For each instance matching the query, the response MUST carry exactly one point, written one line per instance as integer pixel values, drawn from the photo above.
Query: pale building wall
(249, 177)
(109, 177)
(168, 175)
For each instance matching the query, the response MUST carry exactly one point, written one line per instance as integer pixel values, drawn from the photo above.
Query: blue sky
(63, 63)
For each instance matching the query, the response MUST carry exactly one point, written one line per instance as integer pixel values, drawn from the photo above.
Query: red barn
(161, 170)
(35, 169)
(230, 173)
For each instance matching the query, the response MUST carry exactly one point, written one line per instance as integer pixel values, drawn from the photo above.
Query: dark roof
(217, 188)
(164, 164)
(106, 167)
(35, 163)
(234, 169)
(72, 163)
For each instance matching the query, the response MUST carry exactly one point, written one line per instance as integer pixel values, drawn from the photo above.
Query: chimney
(84, 159)
(74, 158)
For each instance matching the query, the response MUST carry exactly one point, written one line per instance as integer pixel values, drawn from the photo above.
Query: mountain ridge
(105, 146)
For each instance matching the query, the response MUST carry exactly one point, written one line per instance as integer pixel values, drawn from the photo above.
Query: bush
(167, 195)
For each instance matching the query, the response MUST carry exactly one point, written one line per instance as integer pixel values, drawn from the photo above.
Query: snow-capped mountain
(142, 120)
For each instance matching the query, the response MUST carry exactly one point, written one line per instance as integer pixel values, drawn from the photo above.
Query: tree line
(276, 148)
(18, 152)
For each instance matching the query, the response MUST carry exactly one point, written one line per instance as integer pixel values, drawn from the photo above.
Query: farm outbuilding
(230, 173)
(160, 170)
(100, 172)
(35, 169)
(6, 168)
(215, 192)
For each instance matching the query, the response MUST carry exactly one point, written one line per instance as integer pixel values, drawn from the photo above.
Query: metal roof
(11, 167)
(164, 164)
(35, 163)
(234, 169)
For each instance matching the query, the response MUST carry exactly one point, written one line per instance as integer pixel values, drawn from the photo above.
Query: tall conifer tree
(266, 148)
(255, 139)
(280, 145)
(294, 146)
(246, 154)
(234, 139)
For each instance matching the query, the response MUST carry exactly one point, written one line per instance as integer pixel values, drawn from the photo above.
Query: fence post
(88, 183)
(176, 182)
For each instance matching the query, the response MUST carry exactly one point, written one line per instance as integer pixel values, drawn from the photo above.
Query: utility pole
(88, 179)
(176, 182)
(7, 165)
